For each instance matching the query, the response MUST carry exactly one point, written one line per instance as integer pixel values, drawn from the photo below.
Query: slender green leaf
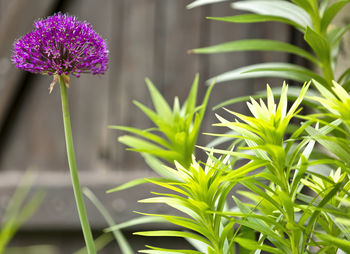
(319, 44)
(140, 145)
(331, 146)
(159, 102)
(100, 242)
(253, 245)
(293, 93)
(331, 12)
(135, 222)
(128, 185)
(256, 45)
(159, 167)
(341, 243)
(173, 233)
(202, 247)
(277, 8)
(256, 18)
(203, 2)
(35, 249)
(278, 70)
(305, 4)
(335, 34)
(190, 103)
(143, 133)
(119, 237)
(155, 250)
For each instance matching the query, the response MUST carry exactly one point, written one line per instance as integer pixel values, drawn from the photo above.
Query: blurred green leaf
(119, 237)
(19, 210)
(128, 185)
(203, 2)
(162, 108)
(331, 12)
(100, 242)
(307, 5)
(173, 233)
(35, 249)
(253, 245)
(319, 44)
(277, 70)
(256, 18)
(277, 8)
(135, 222)
(341, 243)
(256, 45)
(155, 250)
(145, 134)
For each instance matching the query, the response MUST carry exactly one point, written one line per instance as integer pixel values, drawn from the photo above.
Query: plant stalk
(89, 241)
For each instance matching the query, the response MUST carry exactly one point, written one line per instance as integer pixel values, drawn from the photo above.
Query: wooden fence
(146, 38)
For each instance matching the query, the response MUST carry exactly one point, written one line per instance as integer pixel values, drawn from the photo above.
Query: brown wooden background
(146, 38)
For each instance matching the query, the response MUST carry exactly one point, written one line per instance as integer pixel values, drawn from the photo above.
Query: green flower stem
(74, 171)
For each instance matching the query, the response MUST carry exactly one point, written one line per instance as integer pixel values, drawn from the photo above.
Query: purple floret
(61, 44)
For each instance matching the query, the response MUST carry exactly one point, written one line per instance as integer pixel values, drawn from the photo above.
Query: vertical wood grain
(89, 93)
(20, 149)
(132, 61)
(182, 33)
(146, 38)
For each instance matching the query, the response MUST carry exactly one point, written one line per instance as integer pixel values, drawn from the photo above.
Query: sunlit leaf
(277, 8)
(256, 45)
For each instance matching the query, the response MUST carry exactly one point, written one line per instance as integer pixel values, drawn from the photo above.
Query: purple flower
(61, 44)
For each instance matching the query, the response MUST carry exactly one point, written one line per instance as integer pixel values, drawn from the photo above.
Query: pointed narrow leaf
(148, 112)
(128, 185)
(331, 12)
(100, 242)
(341, 243)
(160, 104)
(305, 4)
(278, 70)
(144, 134)
(156, 250)
(159, 167)
(202, 2)
(135, 222)
(293, 93)
(256, 45)
(192, 97)
(253, 245)
(118, 235)
(173, 233)
(277, 8)
(256, 18)
(318, 43)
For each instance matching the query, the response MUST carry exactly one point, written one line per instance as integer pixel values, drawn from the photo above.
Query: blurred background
(146, 38)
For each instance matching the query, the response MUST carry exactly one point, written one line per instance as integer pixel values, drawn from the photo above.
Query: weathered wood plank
(219, 32)
(89, 94)
(69, 242)
(16, 19)
(132, 59)
(58, 211)
(21, 149)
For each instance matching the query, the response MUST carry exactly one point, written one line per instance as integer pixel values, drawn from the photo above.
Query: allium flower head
(61, 44)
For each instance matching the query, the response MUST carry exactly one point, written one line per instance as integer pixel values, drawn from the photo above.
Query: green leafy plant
(176, 130)
(20, 208)
(312, 18)
(105, 238)
(293, 167)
